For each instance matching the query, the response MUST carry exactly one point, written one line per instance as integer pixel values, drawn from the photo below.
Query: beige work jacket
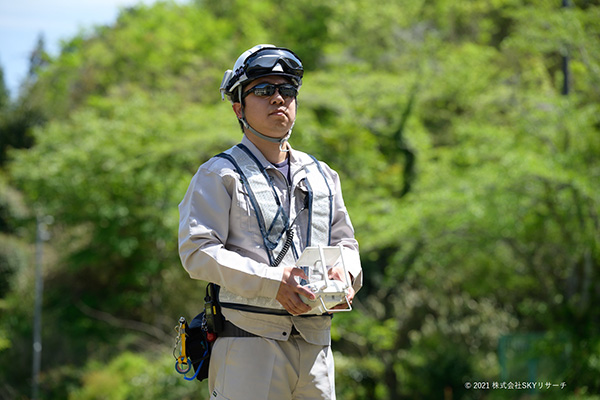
(220, 241)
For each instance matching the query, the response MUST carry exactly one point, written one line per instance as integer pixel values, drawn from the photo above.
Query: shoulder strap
(273, 221)
(271, 217)
(320, 206)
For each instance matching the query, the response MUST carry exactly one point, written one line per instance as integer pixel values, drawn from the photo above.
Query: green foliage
(471, 182)
(164, 47)
(112, 178)
(4, 95)
(16, 122)
(135, 376)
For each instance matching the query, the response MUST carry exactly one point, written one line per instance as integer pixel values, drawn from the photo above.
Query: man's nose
(277, 98)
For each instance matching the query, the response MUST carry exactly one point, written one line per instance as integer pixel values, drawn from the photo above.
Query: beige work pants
(266, 369)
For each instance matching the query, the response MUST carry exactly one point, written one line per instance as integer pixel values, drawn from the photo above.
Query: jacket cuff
(272, 282)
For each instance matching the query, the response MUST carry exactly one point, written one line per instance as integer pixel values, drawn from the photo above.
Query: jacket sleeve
(204, 221)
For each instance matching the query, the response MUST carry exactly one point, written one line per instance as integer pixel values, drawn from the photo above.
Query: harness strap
(274, 222)
(323, 209)
(255, 309)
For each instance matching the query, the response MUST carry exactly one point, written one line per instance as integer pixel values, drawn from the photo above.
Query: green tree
(4, 94)
(471, 182)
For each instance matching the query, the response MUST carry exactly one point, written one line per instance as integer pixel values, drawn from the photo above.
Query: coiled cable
(285, 248)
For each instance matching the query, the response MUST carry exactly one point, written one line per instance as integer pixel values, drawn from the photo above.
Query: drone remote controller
(329, 292)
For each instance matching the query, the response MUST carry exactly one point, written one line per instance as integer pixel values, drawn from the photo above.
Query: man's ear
(237, 108)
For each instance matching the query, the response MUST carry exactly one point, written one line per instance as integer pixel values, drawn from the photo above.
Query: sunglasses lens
(268, 89)
(263, 89)
(288, 91)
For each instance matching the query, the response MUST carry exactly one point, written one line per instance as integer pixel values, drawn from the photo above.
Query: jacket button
(284, 333)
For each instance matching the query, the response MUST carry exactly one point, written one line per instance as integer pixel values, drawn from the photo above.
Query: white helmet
(261, 60)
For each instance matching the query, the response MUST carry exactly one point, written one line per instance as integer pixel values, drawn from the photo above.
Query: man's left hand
(337, 273)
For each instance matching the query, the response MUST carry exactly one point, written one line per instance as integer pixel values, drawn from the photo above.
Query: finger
(351, 294)
(303, 291)
(337, 273)
(299, 272)
(333, 273)
(296, 306)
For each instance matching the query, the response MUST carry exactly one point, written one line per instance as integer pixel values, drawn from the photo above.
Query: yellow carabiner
(182, 365)
(182, 335)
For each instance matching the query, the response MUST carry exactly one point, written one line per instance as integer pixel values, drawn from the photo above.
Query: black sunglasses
(268, 90)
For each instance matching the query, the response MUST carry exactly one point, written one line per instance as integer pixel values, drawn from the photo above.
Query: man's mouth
(277, 112)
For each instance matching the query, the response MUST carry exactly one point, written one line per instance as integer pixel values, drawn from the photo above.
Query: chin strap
(281, 141)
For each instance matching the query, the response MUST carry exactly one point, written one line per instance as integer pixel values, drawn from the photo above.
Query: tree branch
(138, 326)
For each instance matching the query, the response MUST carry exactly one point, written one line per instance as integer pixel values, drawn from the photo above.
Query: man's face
(270, 115)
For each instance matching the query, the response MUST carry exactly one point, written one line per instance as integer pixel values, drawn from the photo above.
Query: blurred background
(467, 137)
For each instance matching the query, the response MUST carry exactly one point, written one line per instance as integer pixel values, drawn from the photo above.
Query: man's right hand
(290, 290)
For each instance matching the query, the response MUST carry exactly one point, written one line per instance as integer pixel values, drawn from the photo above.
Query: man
(246, 218)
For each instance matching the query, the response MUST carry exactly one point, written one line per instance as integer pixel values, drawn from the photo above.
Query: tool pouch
(203, 331)
(198, 346)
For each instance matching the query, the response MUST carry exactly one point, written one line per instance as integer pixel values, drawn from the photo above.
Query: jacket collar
(266, 163)
(296, 160)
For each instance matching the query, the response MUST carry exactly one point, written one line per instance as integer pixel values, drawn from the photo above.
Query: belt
(230, 330)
